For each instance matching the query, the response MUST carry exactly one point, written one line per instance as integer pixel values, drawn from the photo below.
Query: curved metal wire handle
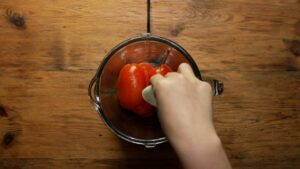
(217, 85)
(91, 91)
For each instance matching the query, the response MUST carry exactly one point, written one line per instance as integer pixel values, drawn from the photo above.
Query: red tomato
(133, 78)
(149, 70)
(163, 69)
(144, 109)
(130, 85)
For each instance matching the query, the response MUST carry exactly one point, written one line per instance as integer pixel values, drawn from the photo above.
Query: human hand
(185, 111)
(184, 103)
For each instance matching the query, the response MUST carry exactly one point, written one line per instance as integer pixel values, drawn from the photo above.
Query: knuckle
(180, 66)
(206, 86)
(194, 80)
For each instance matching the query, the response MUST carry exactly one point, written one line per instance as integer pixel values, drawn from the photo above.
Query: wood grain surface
(50, 49)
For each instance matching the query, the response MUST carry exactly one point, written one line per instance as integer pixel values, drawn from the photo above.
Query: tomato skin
(149, 70)
(130, 85)
(144, 109)
(133, 78)
(163, 69)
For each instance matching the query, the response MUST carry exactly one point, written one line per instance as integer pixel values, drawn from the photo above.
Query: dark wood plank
(51, 49)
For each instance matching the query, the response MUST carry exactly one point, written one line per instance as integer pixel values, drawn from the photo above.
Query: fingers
(186, 70)
(155, 78)
(171, 74)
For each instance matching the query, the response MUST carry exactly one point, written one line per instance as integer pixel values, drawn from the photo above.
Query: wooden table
(49, 51)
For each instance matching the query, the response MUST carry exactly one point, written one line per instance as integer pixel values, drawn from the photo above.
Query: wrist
(204, 140)
(202, 134)
(200, 141)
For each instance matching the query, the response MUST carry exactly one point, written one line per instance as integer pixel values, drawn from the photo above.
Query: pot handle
(91, 91)
(216, 85)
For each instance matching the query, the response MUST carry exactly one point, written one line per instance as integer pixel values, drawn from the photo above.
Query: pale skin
(185, 112)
